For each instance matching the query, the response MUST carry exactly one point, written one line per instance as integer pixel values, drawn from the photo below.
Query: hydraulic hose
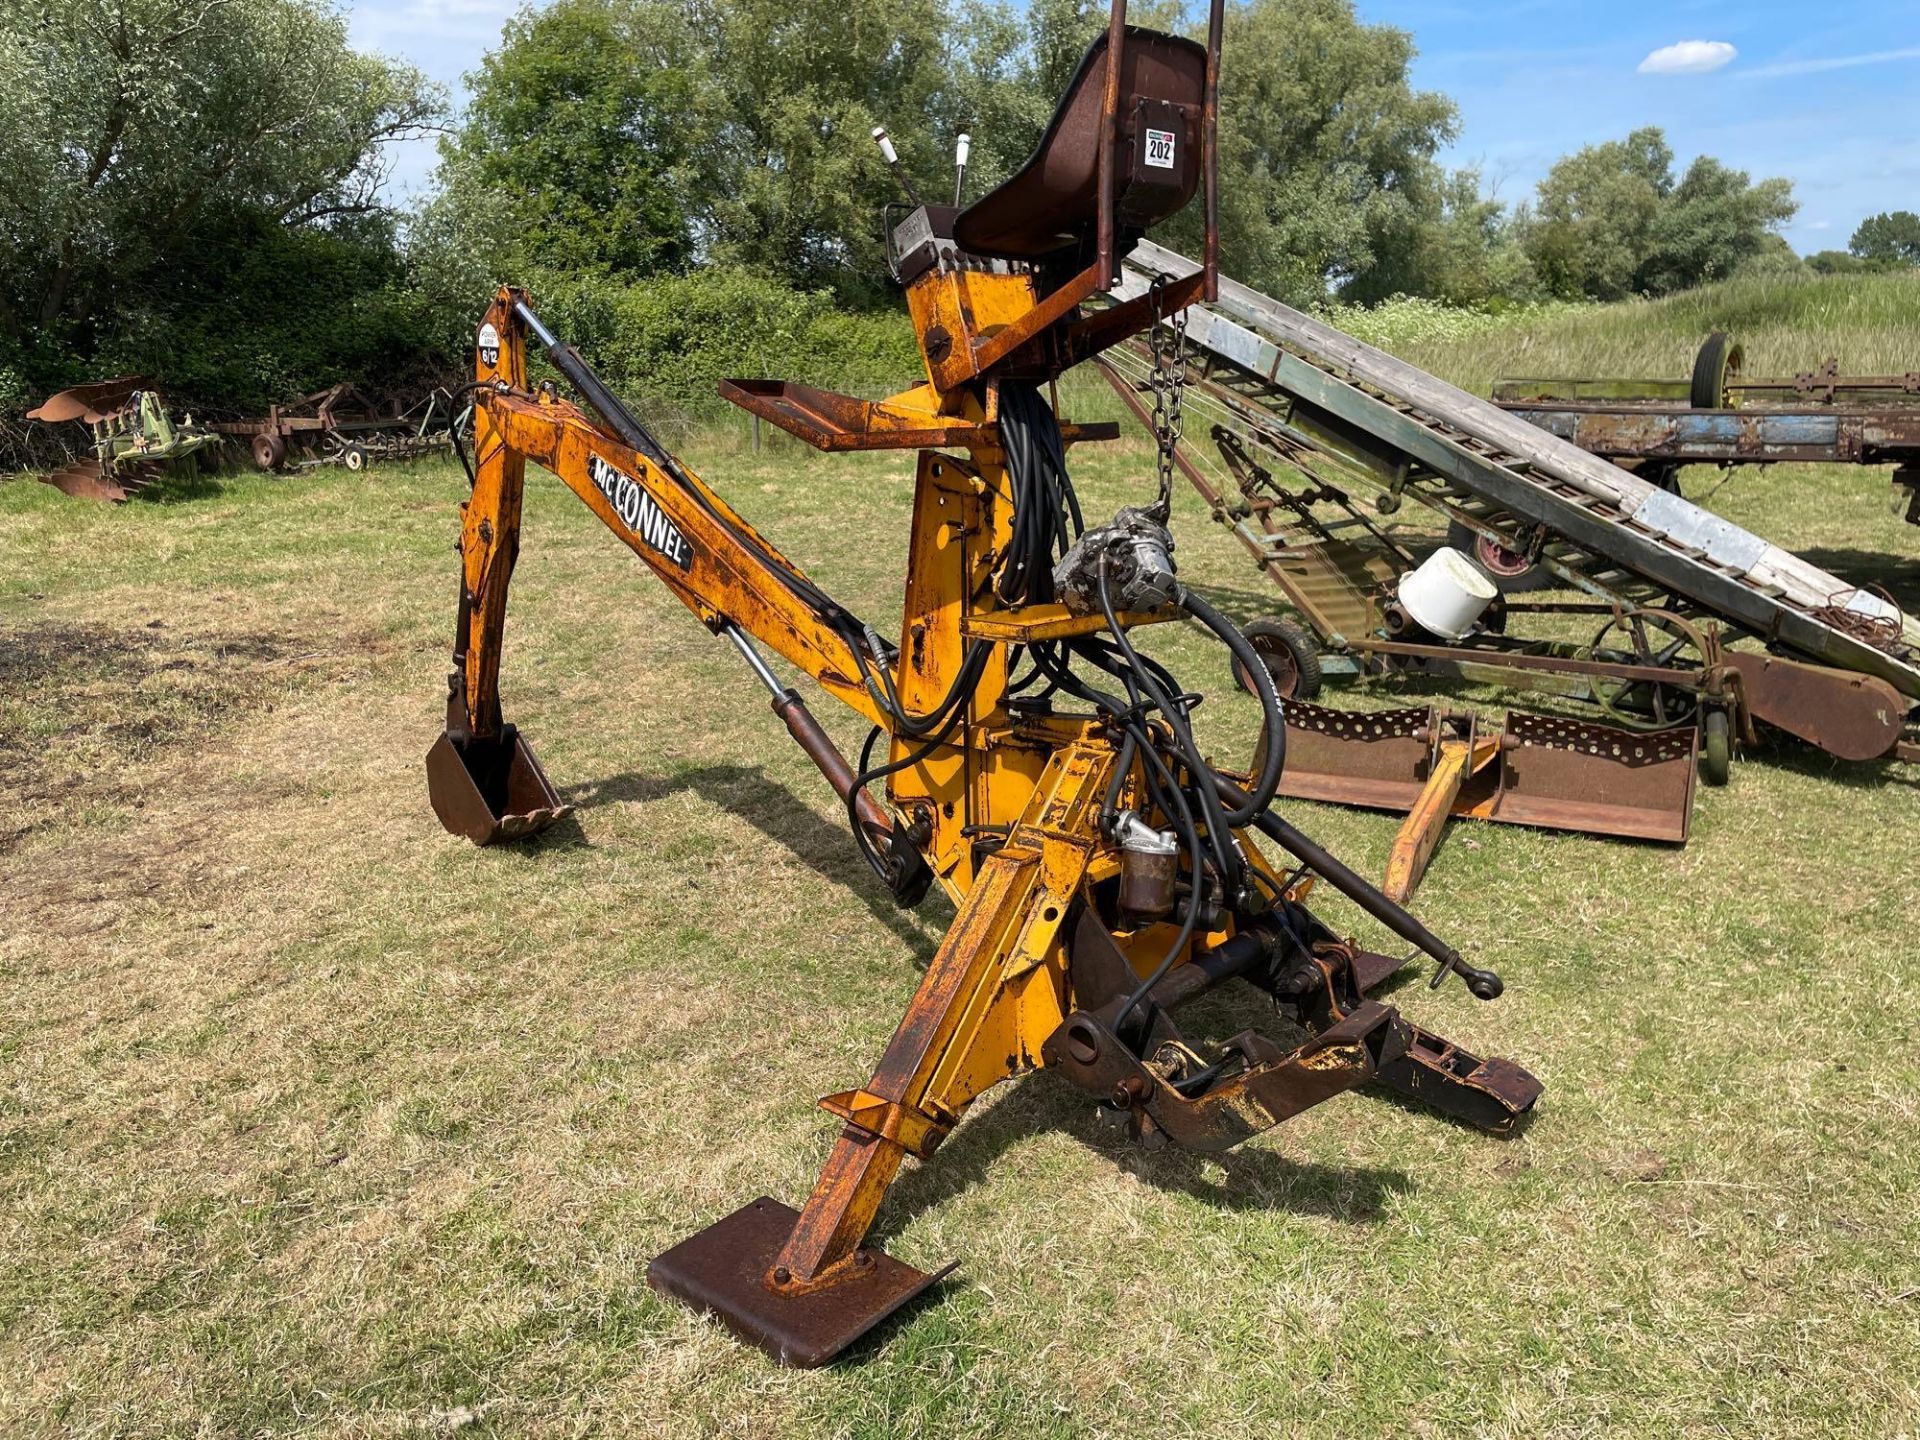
(1261, 679)
(627, 427)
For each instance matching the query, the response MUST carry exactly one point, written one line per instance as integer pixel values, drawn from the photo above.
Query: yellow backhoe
(1024, 755)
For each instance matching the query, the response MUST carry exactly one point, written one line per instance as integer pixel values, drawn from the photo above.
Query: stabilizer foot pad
(723, 1271)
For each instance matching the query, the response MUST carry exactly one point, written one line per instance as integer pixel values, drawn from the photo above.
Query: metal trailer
(1721, 417)
(340, 426)
(1673, 583)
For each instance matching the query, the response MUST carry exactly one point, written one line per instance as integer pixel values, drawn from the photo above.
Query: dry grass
(314, 1120)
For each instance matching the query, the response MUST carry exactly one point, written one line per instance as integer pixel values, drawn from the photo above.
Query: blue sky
(1827, 95)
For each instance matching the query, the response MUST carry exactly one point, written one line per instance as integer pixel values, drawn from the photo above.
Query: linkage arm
(710, 558)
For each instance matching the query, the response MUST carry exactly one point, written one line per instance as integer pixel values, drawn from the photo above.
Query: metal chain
(1169, 385)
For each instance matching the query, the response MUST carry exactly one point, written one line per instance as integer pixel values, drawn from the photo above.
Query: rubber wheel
(269, 451)
(1510, 573)
(1717, 363)
(1292, 656)
(1716, 747)
(354, 458)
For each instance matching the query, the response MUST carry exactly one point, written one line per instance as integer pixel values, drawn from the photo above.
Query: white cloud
(1688, 57)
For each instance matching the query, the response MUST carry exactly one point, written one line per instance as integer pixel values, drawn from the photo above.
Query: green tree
(1326, 149)
(1611, 221)
(131, 126)
(580, 148)
(1594, 215)
(1464, 250)
(1714, 222)
(796, 184)
(1837, 262)
(644, 136)
(1890, 238)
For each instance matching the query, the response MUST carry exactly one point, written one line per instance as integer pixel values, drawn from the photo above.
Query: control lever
(892, 157)
(1481, 984)
(960, 153)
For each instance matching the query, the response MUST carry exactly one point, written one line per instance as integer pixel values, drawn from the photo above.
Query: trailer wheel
(1510, 572)
(269, 451)
(1291, 654)
(1717, 363)
(1656, 639)
(1716, 747)
(354, 458)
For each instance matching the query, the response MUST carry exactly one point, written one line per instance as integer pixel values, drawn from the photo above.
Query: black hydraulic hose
(1219, 837)
(1484, 984)
(869, 772)
(453, 429)
(627, 427)
(1110, 803)
(880, 687)
(1046, 512)
(1261, 679)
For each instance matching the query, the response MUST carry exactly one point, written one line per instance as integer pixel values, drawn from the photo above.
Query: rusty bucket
(491, 789)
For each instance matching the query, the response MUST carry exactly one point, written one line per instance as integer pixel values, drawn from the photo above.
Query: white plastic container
(1447, 594)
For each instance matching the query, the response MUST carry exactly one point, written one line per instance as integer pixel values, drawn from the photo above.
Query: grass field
(317, 1121)
(1785, 323)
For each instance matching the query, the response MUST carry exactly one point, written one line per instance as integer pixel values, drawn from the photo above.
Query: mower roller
(1023, 755)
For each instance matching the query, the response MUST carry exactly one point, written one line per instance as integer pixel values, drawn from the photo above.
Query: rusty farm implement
(341, 426)
(1698, 634)
(133, 441)
(1023, 755)
(1724, 417)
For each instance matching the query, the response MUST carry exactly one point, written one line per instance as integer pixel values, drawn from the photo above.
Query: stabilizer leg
(803, 1287)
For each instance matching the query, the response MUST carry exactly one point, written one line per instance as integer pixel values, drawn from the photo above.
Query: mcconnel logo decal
(639, 513)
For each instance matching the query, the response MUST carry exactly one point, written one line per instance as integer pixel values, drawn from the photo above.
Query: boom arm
(712, 560)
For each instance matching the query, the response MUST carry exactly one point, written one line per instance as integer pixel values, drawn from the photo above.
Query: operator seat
(1052, 203)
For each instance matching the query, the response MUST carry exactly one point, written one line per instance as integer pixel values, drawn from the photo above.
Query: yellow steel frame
(999, 984)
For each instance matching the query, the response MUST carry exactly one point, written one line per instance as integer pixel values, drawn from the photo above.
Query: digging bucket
(492, 789)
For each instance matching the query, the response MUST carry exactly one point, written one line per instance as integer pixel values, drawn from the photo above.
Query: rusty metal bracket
(913, 1130)
(1435, 765)
(1152, 1083)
